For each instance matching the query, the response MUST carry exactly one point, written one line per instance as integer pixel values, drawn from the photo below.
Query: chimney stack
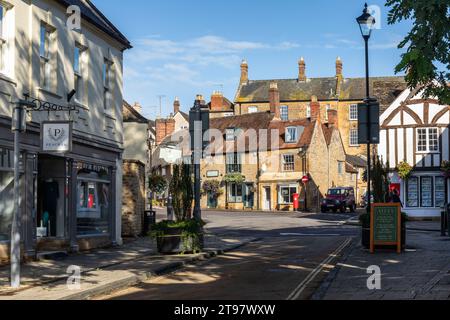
(217, 101)
(315, 109)
(176, 106)
(302, 70)
(339, 67)
(244, 72)
(164, 128)
(274, 100)
(137, 106)
(333, 118)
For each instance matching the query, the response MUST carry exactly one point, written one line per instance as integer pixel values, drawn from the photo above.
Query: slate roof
(356, 161)
(93, 15)
(385, 89)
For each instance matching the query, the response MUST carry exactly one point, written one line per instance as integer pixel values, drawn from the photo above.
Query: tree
(157, 184)
(427, 59)
(181, 191)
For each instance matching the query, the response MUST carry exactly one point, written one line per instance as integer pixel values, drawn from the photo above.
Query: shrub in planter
(178, 237)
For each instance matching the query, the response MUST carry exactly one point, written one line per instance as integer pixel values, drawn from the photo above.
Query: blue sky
(188, 47)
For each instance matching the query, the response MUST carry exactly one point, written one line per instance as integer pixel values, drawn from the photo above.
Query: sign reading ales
(386, 223)
(56, 137)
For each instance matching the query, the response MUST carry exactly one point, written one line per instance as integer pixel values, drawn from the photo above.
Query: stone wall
(133, 200)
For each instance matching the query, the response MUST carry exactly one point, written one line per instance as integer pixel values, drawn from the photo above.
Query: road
(289, 261)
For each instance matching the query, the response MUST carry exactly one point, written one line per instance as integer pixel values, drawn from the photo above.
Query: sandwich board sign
(386, 226)
(56, 137)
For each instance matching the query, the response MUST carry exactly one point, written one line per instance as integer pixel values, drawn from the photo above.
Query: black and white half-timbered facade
(416, 131)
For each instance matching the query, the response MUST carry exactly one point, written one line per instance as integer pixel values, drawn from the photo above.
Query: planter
(174, 242)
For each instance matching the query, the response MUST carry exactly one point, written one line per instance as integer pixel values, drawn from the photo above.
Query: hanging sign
(56, 137)
(386, 224)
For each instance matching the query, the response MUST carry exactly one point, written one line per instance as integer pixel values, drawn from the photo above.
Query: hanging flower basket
(234, 178)
(445, 168)
(404, 170)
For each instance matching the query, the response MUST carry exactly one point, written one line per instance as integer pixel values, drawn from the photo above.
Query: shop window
(286, 195)
(412, 192)
(235, 191)
(440, 194)
(426, 192)
(94, 202)
(6, 203)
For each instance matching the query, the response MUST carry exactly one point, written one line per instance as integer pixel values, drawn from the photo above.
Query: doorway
(267, 199)
(52, 197)
(249, 196)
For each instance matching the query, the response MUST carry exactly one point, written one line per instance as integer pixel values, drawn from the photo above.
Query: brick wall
(133, 198)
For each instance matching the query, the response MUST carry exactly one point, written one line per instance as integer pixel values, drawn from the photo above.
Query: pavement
(107, 270)
(422, 272)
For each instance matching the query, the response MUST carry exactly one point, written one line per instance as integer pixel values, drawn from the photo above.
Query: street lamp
(366, 23)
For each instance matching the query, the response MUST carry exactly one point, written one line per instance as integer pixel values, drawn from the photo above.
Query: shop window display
(93, 205)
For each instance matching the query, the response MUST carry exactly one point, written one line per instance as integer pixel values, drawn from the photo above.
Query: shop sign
(56, 137)
(386, 223)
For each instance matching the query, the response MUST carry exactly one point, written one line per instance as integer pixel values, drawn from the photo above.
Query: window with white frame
(288, 162)
(46, 56)
(286, 194)
(284, 111)
(428, 140)
(78, 70)
(234, 163)
(354, 137)
(340, 167)
(291, 135)
(107, 77)
(252, 109)
(354, 112)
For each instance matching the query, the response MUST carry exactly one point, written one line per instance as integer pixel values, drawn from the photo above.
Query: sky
(182, 48)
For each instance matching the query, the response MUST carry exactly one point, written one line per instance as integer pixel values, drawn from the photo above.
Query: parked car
(339, 199)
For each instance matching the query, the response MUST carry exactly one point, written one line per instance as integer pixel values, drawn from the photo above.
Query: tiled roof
(349, 168)
(385, 89)
(356, 161)
(227, 106)
(131, 115)
(93, 15)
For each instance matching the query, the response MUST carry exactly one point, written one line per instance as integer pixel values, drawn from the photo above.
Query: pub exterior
(70, 200)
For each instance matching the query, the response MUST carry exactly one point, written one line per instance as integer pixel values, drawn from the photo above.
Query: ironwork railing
(38, 105)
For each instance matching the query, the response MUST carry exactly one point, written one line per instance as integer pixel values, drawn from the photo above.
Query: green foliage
(380, 180)
(181, 190)
(212, 187)
(404, 170)
(445, 168)
(427, 57)
(157, 183)
(190, 231)
(234, 178)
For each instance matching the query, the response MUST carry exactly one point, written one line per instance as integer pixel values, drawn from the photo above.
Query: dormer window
(291, 135)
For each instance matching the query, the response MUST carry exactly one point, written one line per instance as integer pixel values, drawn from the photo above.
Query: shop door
(211, 201)
(249, 196)
(52, 199)
(267, 199)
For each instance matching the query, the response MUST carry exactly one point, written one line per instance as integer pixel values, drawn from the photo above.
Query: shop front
(423, 194)
(68, 201)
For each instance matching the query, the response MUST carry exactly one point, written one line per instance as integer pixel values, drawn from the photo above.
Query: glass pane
(412, 192)
(6, 204)
(426, 190)
(76, 60)
(44, 42)
(440, 192)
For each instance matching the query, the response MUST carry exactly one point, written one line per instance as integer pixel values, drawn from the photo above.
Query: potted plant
(184, 235)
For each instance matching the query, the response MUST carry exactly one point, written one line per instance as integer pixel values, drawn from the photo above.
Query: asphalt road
(290, 260)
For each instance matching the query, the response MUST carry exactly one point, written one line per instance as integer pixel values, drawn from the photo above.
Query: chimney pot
(176, 106)
(244, 72)
(339, 67)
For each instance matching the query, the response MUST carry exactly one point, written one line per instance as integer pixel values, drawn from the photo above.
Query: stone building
(259, 158)
(69, 201)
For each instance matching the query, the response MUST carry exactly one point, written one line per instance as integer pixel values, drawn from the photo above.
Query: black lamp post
(366, 23)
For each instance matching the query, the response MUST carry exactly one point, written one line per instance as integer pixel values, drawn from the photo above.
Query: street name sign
(385, 226)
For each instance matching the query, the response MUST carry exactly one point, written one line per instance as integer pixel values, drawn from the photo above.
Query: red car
(339, 199)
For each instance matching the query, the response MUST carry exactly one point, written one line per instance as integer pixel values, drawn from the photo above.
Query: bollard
(169, 209)
(443, 221)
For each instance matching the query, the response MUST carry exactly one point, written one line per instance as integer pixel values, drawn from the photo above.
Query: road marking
(310, 235)
(302, 286)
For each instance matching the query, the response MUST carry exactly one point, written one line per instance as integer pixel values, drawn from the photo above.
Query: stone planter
(174, 243)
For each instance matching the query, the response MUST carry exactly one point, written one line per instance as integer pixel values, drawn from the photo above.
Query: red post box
(296, 201)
